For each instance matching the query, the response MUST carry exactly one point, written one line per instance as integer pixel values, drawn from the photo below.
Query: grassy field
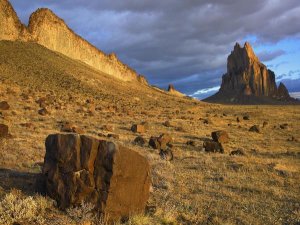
(260, 187)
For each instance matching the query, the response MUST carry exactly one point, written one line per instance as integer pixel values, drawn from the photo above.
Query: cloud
(292, 74)
(266, 56)
(292, 84)
(175, 41)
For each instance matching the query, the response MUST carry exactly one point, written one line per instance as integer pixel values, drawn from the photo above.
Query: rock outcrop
(248, 79)
(47, 29)
(81, 168)
(173, 91)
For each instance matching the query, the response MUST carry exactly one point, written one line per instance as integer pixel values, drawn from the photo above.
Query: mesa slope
(260, 187)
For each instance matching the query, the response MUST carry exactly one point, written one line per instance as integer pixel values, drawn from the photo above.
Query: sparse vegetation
(260, 187)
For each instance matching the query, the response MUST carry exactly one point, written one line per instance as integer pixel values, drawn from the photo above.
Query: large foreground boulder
(81, 168)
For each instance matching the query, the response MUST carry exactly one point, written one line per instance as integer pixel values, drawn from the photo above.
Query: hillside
(45, 90)
(47, 29)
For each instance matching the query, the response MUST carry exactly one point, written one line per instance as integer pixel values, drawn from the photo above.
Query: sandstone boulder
(220, 136)
(80, 168)
(138, 128)
(162, 142)
(213, 146)
(3, 130)
(4, 105)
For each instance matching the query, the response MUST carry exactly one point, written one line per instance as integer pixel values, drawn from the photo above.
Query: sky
(185, 42)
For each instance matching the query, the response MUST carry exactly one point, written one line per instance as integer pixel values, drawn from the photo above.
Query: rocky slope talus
(247, 79)
(46, 29)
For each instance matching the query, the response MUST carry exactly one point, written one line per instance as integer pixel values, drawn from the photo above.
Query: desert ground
(261, 185)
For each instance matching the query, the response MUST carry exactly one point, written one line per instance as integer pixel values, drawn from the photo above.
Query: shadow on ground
(28, 183)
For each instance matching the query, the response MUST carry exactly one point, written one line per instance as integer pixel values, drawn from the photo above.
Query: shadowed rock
(80, 168)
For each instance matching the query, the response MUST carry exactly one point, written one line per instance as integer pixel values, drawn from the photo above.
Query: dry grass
(262, 187)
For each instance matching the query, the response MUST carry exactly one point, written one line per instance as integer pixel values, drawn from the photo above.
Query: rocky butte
(248, 81)
(47, 29)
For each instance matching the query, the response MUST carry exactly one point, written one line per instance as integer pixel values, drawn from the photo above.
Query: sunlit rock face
(46, 29)
(246, 74)
(248, 81)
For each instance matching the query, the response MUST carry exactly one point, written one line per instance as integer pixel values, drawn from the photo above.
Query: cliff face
(248, 80)
(46, 29)
(247, 75)
(10, 26)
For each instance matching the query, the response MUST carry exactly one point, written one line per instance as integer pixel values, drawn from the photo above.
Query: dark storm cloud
(268, 56)
(184, 42)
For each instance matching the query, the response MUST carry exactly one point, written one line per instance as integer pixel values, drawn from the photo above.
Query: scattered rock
(98, 172)
(180, 129)
(109, 128)
(43, 112)
(254, 128)
(4, 105)
(3, 130)
(165, 141)
(161, 142)
(220, 136)
(27, 125)
(114, 136)
(292, 138)
(238, 119)
(153, 142)
(246, 117)
(166, 154)
(237, 152)
(71, 128)
(265, 123)
(213, 146)
(138, 128)
(206, 121)
(167, 124)
(191, 143)
(139, 140)
(283, 126)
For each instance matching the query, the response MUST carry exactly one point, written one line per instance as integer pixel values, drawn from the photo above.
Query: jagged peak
(247, 48)
(44, 15)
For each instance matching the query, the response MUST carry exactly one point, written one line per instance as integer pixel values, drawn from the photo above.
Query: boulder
(4, 105)
(254, 128)
(162, 142)
(237, 152)
(43, 112)
(115, 179)
(3, 130)
(165, 141)
(139, 140)
(166, 154)
(138, 128)
(220, 136)
(213, 146)
(153, 142)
